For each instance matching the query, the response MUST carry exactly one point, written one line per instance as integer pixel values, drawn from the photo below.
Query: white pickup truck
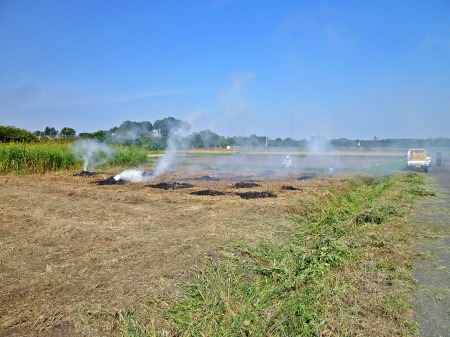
(418, 159)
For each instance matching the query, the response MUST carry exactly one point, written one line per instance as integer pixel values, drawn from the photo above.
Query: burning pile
(85, 173)
(111, 181)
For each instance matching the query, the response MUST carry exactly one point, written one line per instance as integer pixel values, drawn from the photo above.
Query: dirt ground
(432, 271)
(71, 246)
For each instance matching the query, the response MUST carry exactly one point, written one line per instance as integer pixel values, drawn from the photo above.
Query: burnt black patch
(86, 174)
(207, 192)
(207, 178)
(256, 195)
(307, 177)
(173, 186)
(246, 185)
(162, 185)
(111, 181)
(147, 173)
(181, 185)
(290, 188)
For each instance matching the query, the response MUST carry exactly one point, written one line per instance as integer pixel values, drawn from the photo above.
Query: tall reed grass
(47, 157)
(129, 156)
(35, 158)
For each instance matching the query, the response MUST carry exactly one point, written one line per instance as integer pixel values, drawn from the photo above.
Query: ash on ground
(255, 195)
(246, 185)
(174, 186)
(111, 181)
(290, 188)
(86, 174)
(208, 192)
(307, 176)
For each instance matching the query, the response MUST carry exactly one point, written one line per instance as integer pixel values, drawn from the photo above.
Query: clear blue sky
(301, 68)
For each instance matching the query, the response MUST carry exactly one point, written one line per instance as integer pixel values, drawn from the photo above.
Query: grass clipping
(346, 271)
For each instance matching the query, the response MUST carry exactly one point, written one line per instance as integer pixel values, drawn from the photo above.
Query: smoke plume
(92, 152)
(168, 162)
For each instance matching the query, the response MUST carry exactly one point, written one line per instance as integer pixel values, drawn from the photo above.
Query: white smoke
(131, 175)
(236, 108)
(92, 152)
(168, 162)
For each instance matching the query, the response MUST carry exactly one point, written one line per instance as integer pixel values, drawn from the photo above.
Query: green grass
(345, 271)
(35, 158)
(129, 156)
(47, 157)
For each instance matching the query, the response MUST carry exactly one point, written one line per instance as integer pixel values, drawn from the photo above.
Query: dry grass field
(72, 249)
(71, 246)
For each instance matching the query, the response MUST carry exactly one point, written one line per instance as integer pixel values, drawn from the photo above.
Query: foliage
(155, 136)
(35, 158)
(55, 156)
(312, 285)
(168, 125)
(129, 156)
(131, 133)
(99, 135)
(50, 132)
(12, 134)
(67, 132)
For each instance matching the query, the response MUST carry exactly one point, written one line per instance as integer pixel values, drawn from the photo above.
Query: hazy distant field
(254, 159)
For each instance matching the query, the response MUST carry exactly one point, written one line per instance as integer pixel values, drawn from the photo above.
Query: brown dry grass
(71, 248)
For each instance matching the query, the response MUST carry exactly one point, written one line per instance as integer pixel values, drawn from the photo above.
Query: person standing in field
(438, 158)
(287, 162)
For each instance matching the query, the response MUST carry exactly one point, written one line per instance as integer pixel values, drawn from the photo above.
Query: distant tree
(167, 125)
(38, 133)
(12, 134)
(196, 141)
(210, 139)
(67, 132)
(136, 129)
(131, 133)
(159, 143)
(101, 135)
(50, 132)
(342, 143)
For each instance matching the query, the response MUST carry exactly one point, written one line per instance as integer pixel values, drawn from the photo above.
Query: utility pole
(290, 133)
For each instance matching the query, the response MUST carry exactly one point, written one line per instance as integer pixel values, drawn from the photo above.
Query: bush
(12, 134)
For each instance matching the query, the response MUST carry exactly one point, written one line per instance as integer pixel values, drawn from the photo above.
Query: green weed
(292, 289)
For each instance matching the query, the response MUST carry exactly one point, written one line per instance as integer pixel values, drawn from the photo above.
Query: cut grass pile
(345, 271)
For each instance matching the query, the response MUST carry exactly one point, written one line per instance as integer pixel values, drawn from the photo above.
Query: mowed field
(73, 251)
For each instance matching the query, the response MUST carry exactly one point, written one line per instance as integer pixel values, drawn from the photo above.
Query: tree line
(155, 136)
